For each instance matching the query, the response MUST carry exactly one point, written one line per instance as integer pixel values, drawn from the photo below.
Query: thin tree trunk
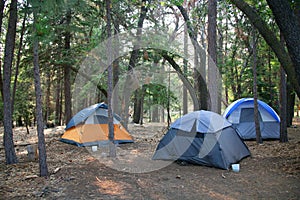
(155, 114)
(112, 148)
(213, 76)
(199, 76)
(169, 120)
(256, 113)
(290, 103)
(225, 61)
(185, 63)
(18, 60)
(39, 109)
(283, 102)
(220, 54)
(142, 105)
(57, 98)
(137, 106)
(116, 65)
(61, 106)
(67, 71)
(47, 97)
(2, 4)
(10, 154)
(283, 106)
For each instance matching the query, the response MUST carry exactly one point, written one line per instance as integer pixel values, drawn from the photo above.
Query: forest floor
(272, 171)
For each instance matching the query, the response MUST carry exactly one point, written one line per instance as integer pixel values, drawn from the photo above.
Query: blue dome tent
(241, 114)
(204, 138)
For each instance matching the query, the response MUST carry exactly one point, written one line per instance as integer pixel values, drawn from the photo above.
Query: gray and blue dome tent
(204, 138)
(241, 114)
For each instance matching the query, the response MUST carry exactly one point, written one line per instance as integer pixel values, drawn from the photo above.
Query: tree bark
(272, 41)
(283, 107)
(256, 113)
(137, 106)
(290, 28)
(47, 97)
(116, 68)
(10, 154)
(213, 78)
(18, 60)
(39, 109)
(2, 4)
(142, 105)
(283, 102)
(185, 69)
(111, 135)
(290, 104)
(67, 71)
(58, 98)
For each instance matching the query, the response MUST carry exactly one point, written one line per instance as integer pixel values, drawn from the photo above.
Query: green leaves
(177, 2)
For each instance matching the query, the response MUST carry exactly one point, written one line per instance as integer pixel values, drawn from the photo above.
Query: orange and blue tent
(90, 127)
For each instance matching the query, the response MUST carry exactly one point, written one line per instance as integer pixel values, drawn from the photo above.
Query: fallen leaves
(68, 164)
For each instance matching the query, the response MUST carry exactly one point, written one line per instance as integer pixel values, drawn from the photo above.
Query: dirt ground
(272, 171)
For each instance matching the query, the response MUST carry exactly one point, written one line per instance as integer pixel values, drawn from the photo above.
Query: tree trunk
(182, 77)
(116, 65)
(58, 98)
(18, 60)
(111, 135)
(142, 105)
(47, 97)
(185, 66)
(155, 114)
(137, 106)
(290, 104)
(288, 24)
(283, 102)
(213, 76)
(199, 75)
(283, 106)
(10, 154)
(256, 113)
(2, 4)
(67, 71)
(133, 59)
(39, 109)
(271, 39)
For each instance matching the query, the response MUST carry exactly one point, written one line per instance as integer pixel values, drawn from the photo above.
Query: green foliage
(177, 2)
(158, 94)
(88, 30)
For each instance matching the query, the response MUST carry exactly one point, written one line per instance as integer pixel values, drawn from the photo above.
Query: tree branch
(272, 41)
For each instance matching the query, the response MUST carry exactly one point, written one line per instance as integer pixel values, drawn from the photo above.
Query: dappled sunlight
(21, 137)
(109, 186)
(216, 195)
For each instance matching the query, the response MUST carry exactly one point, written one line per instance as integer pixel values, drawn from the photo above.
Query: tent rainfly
(241, 114)
(90, 127)
(204, 138)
